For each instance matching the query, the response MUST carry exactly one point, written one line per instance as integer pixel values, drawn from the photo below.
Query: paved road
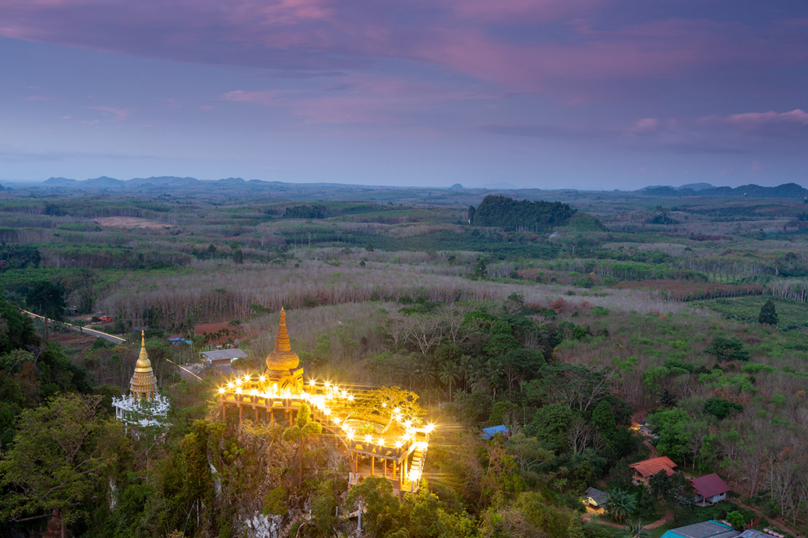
(84, 330)
(184, 372)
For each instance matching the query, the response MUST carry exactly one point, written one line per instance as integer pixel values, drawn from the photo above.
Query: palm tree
(620, 504)
(448, 375)
(634, 530)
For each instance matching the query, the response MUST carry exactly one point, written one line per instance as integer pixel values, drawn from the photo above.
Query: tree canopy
(497, 210)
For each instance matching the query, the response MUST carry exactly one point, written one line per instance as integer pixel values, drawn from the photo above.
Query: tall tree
(61, 451)
(48, 300)
(304, 427)
(768, 313)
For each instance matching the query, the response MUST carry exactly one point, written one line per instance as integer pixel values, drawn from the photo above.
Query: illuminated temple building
(377, 437)
(143, 406)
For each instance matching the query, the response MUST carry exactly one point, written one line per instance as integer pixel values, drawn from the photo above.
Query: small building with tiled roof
(222, 358)
(595, 497)
(644, 470)
(709, 489)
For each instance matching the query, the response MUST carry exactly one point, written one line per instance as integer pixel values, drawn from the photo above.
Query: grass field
(793, 315)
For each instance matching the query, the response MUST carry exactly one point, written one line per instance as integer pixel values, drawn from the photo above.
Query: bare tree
(424, 331)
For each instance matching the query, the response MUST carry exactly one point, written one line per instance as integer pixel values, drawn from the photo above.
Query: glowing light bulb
(368, 439)
(350, 397)
(399, 444)
(350, 436)
(238, 381)
(407, 424)
(262, 378)
(254, 392)
(429, 427)
(238, 390)
(327, 384)
(384, 404)
(312, 382)
(396, 410)
(246, 378)
(230, 385)
(326, 411)
(221, 390)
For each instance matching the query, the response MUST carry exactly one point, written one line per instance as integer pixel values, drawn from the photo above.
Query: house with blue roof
(488, 433)
(705, 529)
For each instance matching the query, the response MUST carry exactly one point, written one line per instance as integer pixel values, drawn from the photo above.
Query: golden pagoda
(143, 384)
(283, 364)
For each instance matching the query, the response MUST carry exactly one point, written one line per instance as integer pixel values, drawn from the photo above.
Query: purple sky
(591, 94)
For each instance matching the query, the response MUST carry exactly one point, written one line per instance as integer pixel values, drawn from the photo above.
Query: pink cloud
(450, 34)
(645, 125)
(111, 113)
(753, 120)
(523, 10)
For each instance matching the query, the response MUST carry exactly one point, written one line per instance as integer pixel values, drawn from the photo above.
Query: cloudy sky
(591, 94)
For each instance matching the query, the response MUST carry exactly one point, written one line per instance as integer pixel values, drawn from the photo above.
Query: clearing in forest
(130, 222)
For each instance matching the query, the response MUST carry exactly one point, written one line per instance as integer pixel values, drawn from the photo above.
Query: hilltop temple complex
(379, 433)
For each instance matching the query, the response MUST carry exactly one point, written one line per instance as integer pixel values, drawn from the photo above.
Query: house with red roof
(644, 470)
(709, 489)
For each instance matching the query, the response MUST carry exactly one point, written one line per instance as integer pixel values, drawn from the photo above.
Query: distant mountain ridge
(786, 190)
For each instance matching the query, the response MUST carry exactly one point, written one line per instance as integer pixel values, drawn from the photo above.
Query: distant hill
(509, 213)
(456, 187)
(103, 182)
(697, 186)
(61, 182)
(787, 190)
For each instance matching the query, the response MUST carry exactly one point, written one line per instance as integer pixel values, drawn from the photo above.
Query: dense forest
(496, 210)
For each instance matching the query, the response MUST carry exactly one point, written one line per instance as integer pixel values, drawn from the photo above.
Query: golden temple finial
(143, 383)
(282, 358)
(282, 344)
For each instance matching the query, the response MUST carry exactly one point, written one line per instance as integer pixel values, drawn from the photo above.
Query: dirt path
(777, 522)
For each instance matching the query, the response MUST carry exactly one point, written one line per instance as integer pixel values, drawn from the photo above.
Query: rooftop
(705, 529)
(654, 465)
(710, 485)
(488, 433)
(597, 495)
(224, 354)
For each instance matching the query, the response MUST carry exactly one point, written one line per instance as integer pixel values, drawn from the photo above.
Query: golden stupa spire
(282, 344)
(143, 383)
(282, 359)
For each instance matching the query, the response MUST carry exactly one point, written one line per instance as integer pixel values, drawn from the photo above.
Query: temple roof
(282, 358)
